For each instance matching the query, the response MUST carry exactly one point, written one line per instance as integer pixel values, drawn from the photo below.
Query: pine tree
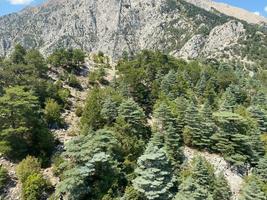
(236, 140)
(154, 174)
(207, 126)
(131, 113)
(261, 169)
(21, 125)
(193, 125)
(260, 116)
(189, 190)
(168, 126)
(109, 110)
(203, 173)
(221, 189)
(260, 99)
(18, 56)
(228, 101)
(252, 191)
(168, 83)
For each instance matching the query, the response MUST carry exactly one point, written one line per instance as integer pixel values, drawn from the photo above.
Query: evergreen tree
(228, 101)
(18, 55)
(252, 191)
(221, 189)
(168, 84)
(203, 173)
(208, 127)
(199, 184)
(90, 166)
(131, 113)
(260, 116)
(21, 125)
(154, 174)
(234, 139)
(91, 116)
(52, 113)
(36, 59)
(193, 125)
(168, 127)
(261, 169)
(109, 110)
(189, 190)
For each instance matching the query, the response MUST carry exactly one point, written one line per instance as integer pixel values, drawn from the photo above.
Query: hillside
(133, 100)
(114, 26)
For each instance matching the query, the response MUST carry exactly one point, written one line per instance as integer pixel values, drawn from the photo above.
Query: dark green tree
(133, 114)
(36, 59)
(192, 132)
(252, 191)
(261, 169)
(21, 126)
(221, 189)
(154, 174)
(18, 55)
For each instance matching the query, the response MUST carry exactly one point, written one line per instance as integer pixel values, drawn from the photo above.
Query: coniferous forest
(133, 127)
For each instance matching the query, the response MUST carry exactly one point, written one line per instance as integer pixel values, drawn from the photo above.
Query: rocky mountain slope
(114, 26)
(238, 13)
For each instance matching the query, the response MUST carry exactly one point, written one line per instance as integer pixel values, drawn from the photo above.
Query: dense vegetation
(135, 127)
(133, 132)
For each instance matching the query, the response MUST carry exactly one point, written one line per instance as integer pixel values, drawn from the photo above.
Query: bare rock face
(222, 37)
(193, 47)
(115, 26)
(238, 13)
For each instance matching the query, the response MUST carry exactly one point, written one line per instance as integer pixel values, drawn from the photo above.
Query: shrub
(79, 111)
(52, 112)
(27, 167)
(74, 82)
(3, 177)
(34, 187)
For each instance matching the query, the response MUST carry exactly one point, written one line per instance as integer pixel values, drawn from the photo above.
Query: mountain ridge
(113, 27)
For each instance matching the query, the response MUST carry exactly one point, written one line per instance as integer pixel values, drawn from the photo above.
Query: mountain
(114, 26)
(230, 10)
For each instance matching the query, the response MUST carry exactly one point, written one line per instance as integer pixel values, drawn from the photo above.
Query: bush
(52, 112)
(3, 177)
(79, 111)
(74, 82)
(27, 167)
(34, 187)
(57, 160)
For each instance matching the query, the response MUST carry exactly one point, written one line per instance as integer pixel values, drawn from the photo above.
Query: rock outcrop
(236, 12)
(114, 26)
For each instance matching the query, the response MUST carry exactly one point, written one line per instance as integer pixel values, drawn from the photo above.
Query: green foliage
(27, 167)
(252, 191)
(193, 126)
(199, 182)
(17, 57)
(92, 111)
(92, 170)
(79, 111)
(63, 57)
(73, 81)
(34, 187)
(36, 59)
(235, 140)
(261, 169)
(221, 189)
(97, 76)
(3, 177)
(21, 125)
(154, 174)
(53, 113)
(131, 113)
